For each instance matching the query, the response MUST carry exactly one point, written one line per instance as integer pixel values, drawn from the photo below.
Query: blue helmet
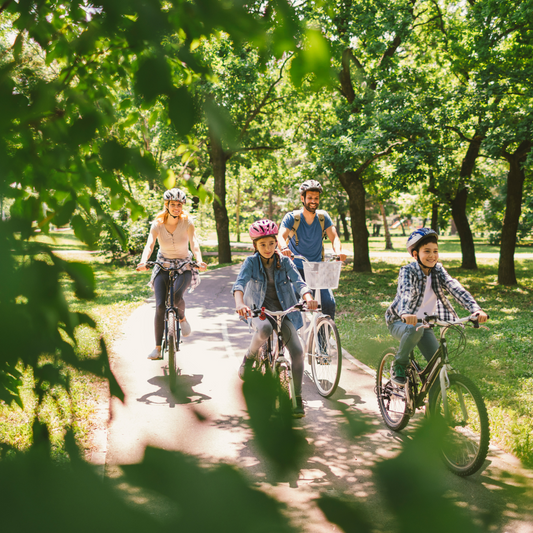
(417, 236)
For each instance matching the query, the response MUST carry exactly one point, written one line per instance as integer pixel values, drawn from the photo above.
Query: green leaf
(182, 111)
(83, 277)
(17, 46)
(153, 78)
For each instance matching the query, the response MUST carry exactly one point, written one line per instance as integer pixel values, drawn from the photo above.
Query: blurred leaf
(114, 156)
(169, 178)
(182, 110)
(153, 78)
(350, 517)
(273, 428)
(83, 277)
(85, 232)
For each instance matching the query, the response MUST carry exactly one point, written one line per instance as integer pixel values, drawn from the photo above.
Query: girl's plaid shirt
(410, 294)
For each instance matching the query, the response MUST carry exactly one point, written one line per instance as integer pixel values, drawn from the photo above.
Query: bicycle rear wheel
(326, 357)
(173, 339)
(391, 397)
(466, 443)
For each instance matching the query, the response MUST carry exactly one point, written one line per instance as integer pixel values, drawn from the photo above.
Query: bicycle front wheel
(326, 357)
(466, 443)
(173, 335)
(391, 397)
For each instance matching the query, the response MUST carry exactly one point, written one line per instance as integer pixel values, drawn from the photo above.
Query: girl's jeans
(409, 337)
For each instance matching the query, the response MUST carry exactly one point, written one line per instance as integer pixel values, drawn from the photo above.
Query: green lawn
(500, 360)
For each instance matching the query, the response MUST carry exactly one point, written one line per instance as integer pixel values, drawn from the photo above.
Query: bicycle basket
(322, 275)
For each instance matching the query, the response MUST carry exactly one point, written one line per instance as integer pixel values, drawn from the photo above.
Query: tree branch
(264, 101)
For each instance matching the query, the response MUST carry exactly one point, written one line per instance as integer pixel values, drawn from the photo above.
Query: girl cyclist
(266, 279)
(174, 230)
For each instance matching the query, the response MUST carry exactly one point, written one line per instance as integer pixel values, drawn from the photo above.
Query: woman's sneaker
(156, 354)
(398, 375)
(185, 327)
(298, 411)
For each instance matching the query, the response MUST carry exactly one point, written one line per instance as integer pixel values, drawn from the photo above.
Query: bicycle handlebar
(433, 320)
(150, 264)
(329, 258)
(300, 306)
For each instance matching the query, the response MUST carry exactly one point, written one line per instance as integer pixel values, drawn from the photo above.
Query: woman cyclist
(174, 230)
(266, 279)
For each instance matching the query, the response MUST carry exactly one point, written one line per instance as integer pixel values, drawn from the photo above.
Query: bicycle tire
(466, 443)
(285, 401)
(391, 397)
(326, 358)
(173, 339)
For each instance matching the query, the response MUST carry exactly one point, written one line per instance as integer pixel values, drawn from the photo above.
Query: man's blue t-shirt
(309, 237)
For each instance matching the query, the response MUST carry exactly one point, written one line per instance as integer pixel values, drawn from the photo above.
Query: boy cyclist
(266, 279)
(420, 292)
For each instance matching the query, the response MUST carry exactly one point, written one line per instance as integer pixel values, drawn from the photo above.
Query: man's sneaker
(298, 411)
(185, 327)
(398, 375)
(156, 354)
(246, 366)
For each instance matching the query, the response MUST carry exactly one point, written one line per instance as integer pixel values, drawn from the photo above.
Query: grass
(500, 360)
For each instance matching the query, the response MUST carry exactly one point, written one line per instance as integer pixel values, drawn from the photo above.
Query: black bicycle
(172, 335)
(273, 357)
(455, 399)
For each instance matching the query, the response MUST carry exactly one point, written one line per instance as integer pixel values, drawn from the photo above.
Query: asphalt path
(208, 419)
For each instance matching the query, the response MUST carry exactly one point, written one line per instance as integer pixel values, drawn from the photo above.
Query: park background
(412, 111)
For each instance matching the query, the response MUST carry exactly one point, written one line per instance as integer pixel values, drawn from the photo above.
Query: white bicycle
(319, 334)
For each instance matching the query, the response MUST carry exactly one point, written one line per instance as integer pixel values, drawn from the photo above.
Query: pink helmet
(263, 228)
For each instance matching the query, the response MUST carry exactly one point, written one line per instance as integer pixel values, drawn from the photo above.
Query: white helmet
(310, 185)
(176, 195)
(417, 236)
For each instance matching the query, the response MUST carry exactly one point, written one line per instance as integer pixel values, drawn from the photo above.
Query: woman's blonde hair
(162, 216)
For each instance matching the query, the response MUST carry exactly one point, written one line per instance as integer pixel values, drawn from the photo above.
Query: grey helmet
(310, 185)
(175, 195)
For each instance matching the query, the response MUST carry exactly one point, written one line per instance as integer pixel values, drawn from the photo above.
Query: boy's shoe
(156, 354)
(398, 375)
(298, 411)
(246, 366)
(185, 327)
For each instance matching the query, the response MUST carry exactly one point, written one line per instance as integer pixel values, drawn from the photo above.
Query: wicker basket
(322, 275)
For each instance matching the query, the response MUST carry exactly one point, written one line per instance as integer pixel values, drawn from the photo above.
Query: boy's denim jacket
(410, 294)
(252, 281)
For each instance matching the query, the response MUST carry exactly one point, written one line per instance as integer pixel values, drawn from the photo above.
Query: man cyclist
(302, 233)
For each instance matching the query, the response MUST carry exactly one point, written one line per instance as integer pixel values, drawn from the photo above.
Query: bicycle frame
(437, 367)
(275, 359)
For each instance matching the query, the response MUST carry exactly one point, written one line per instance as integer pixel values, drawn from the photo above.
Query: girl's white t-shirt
(429, 303)
(173, 245)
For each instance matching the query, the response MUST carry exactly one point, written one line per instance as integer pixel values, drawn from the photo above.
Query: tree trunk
(345, 229)
(513, 209)
(435, 217)
(218, 162)
(353, 185)
(458, 205)
(388, 241)
(270, 206)
(238, 212)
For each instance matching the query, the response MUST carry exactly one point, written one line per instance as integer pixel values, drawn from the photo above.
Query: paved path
(208, 419)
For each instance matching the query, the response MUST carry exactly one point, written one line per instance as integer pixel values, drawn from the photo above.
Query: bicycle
(273, 357)
(319, 334)
(172, 333)
(455, 399)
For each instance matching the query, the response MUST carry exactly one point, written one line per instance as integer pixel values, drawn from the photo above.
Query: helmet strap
(173, 216)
